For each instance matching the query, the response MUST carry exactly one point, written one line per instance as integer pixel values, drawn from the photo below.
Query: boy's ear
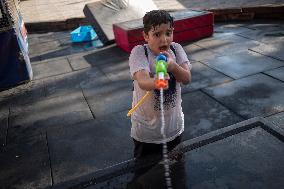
(146, 36)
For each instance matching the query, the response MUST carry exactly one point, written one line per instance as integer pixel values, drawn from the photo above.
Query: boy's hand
(171, 62)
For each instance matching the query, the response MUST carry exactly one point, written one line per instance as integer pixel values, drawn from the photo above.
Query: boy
(146, 120)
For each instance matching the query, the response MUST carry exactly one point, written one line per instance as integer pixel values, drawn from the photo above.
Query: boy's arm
(181, 72)
(144, 80)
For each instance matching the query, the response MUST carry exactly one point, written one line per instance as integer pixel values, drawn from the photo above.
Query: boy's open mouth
(163, 48)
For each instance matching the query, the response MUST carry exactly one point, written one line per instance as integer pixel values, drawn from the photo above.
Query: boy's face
(159, 38)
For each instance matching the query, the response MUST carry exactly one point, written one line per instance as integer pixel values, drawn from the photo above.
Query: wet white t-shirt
(146, 119)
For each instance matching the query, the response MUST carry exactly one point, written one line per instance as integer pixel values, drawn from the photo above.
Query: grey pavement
(228, 158)
(70, 121)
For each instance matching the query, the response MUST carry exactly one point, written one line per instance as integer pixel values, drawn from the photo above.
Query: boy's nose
(163, 38)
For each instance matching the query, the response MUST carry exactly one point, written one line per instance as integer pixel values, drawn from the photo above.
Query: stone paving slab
(61, 9)
(266, 25)
(111, 93)
(257, 95)
(38, 38)
(197, 53)
(203, 114)
(227, 45)
(101, 59)
(221, 29)
(63, 50)
(26, 165)
(277, 119)
(37, 117)
(58, 41)
(89, 146)
(4, 113)
(23, 94)
(50, 47)
(107, 56)
(86, 60)
(268, 36)
(57, 45)
(78, 62)
(243, 64)
(92, 45)
(65, 84)
(44, 47)
(232, 158)
(117, 71)
(274, 50)
(51, 68)
(204, 76)
(277, 73)
(234, 162)
(105, 97)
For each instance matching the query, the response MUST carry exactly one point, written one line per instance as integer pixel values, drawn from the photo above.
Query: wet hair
(155, 18)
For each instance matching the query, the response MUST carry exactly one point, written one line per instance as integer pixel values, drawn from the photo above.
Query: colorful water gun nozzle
(161, 72)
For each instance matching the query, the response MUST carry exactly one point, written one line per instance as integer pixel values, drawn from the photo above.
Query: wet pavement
(226, 158)
(69, 127)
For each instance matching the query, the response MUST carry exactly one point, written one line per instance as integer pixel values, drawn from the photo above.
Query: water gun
(161, 82)
(161, 72)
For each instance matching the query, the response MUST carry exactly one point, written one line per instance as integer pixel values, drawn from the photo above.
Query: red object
(161, 84)
(189, 25)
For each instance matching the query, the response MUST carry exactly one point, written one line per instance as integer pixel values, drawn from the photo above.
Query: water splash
(165, 147)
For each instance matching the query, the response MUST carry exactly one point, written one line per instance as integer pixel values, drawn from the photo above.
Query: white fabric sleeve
(181, 56)
(138, 60)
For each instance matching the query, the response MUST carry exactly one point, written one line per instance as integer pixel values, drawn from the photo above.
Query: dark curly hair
(155, 18)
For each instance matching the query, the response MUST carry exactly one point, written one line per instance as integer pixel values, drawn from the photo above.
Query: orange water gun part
(161, 84)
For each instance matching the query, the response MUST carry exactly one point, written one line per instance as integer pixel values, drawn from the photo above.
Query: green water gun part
(161, 72)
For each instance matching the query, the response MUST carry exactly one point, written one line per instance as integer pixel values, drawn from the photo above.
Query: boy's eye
(157, 34)
(169, 33)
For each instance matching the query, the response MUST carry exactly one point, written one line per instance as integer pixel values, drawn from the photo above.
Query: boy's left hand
(171, 62)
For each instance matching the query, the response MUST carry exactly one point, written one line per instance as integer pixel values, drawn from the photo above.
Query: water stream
(165, 147)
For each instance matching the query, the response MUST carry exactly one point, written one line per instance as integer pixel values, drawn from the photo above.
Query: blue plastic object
(83, 33)
(162, 57)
